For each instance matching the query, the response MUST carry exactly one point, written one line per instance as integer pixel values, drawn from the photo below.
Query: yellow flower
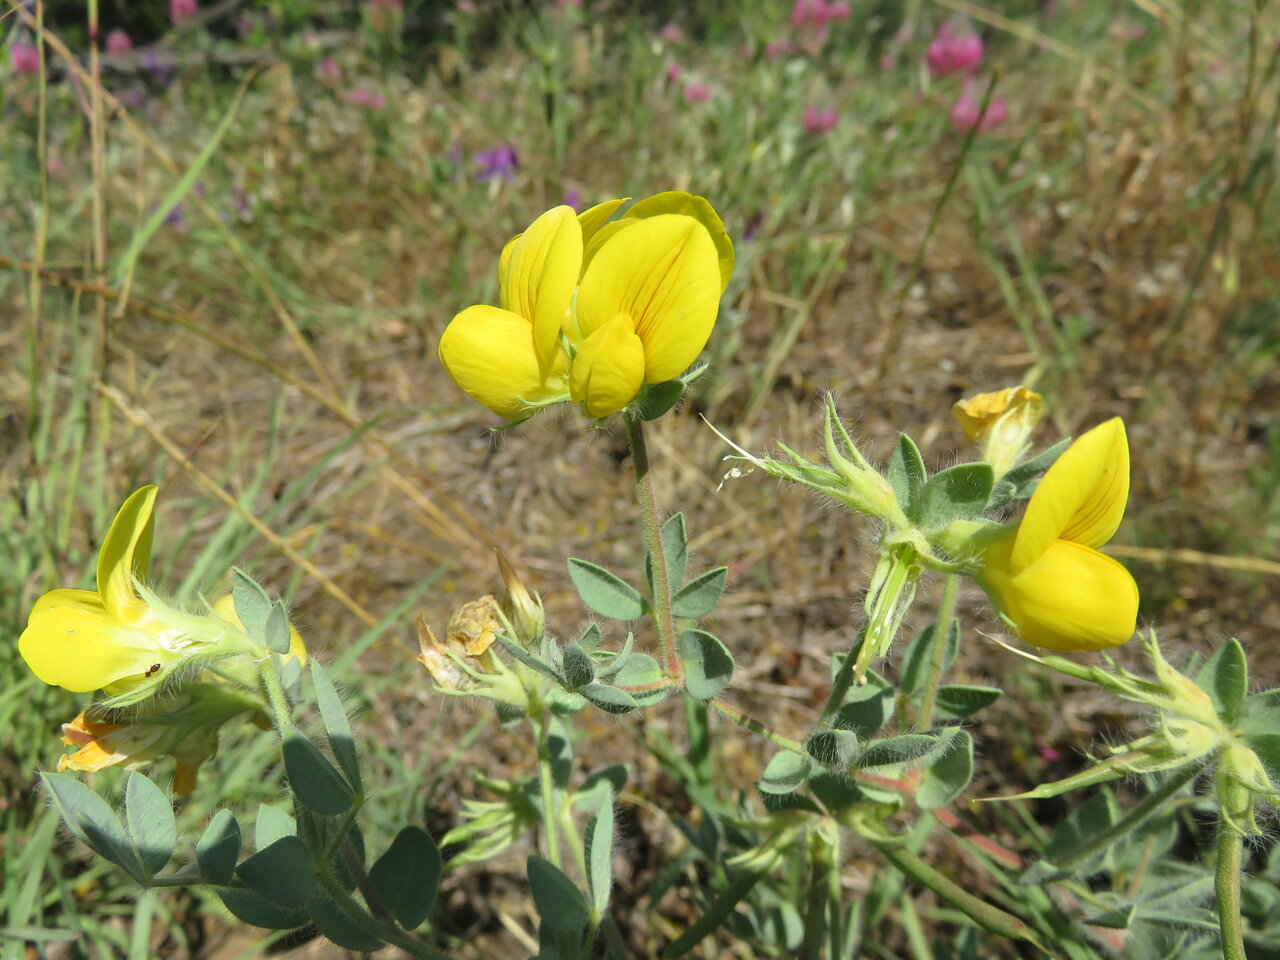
(183, 727)
(119, 636)
(472, 630)
(1046, 575)
(592, 309)
(1001, 423)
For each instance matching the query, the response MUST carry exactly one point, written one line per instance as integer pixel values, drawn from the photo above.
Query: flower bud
(522, 607)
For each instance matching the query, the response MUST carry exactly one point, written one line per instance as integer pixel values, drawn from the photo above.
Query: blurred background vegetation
(229, 245)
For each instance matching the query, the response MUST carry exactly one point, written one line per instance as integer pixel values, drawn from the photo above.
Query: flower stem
(269, 670)
(984, 914)
(386, 930)
(755, 726)
(941, 640)
(1227, 886)
(550, 813)
(662, 616)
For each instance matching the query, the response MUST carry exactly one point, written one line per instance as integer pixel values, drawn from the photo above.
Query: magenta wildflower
(467, 6)
(840, 10)
(964, 114)
(118, 42)
(671, 33)
(673, 73)
(573, 198)
(364, 97)
(819, 121)
(25, 59)
(953, 51)
(697, 93)
(180, 11)
(328, 71)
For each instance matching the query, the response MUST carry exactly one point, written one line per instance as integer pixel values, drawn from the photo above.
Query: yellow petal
(677, 201)
(609, 368)
(593, 218)
(602, 236)
(1071, 598)
(489, 353)
(225, 607)
(89, 600)
(82, 651)
(1081, 497)
(662, 273)
(126, 553)
(538, 275)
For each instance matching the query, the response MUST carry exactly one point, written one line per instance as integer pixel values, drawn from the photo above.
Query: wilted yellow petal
(1071, 598)
(609, 368)
(490, 354)
(82, 651)
(537, 277)
(126, 553)
(1081, 497)
(677, 201)
(979, 413)
(662, 273)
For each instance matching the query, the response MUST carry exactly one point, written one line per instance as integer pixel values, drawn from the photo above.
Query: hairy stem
(1227, 886)
(662, 616)
(941, 636)
(755, 726)
(550, 813)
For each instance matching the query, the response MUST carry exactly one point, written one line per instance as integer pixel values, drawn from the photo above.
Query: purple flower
(572, 198)
(25, 59)
(502, 161)
(671, 33)
(752, 228)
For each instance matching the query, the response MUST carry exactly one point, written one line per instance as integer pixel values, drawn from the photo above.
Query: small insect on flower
(152, 670)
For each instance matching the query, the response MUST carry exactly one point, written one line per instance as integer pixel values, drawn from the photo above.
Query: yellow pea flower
(1046, 574)
(593, 309)
(119, 636)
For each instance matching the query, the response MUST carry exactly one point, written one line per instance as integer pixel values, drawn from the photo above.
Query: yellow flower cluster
(123, 640)
(593, 308)
(1046, 574)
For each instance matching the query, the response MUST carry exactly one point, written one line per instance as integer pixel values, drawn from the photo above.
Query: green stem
(844, 676)
(755, 726)
(550, 812)
(1227, 886)
(382, 929)
(1153, 802)
(662, 616)
(941, 638)
(269, 670)
(984, 914)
